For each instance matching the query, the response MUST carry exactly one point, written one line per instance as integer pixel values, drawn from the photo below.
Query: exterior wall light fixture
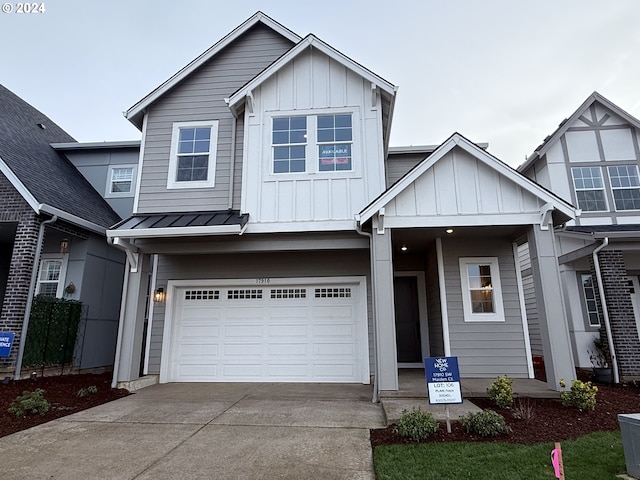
(159, 295)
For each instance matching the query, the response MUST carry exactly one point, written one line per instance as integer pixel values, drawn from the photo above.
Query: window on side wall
(625, 186)
(192, 162)
(51, 276)
(312, 143)
(121, 181)
(589, 188)
(591, 306)
(481, 289)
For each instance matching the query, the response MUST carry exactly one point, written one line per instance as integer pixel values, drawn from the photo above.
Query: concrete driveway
(208, 431)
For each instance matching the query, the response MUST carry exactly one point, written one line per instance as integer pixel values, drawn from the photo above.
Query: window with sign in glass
(289, 140)
(334, 136)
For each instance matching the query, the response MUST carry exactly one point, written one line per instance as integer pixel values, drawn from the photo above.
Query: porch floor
(412, 392)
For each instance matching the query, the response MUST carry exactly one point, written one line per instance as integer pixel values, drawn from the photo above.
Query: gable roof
(135, 114)
(47, 180)
(568, 122)
(456, 140)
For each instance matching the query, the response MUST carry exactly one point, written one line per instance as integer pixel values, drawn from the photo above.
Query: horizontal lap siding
(249, 266)
(201, 97)
(485, 349)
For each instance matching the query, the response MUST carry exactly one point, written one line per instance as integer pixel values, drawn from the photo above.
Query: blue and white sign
(6, 340)
(443, 379)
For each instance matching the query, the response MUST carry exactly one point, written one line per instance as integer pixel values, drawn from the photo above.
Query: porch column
(386, 356)
(554, 327)
(135, 300)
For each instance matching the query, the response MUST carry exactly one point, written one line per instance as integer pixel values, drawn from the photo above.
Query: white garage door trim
(357, 283)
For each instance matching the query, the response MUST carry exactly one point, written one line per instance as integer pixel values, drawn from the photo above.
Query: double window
(312, 143)
(193, 155)
(481, 289)
(589, 185)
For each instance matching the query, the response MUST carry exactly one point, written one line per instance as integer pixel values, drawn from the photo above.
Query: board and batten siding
(251, 266)
(312, 84)
(461, 185)
(200, 97)
(485, 348)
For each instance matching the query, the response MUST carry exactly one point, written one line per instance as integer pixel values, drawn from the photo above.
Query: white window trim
(173, 156)
(469, 315)
(613, 189)
(604, 188)
(312, 166)
(63, 271)
(134, 175)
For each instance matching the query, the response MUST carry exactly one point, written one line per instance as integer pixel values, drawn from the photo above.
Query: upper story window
(481, 289)
(589, 188)
(589, 291)
(625, 185)
(193, 155)
(121, 180)
(296, 141)
(289, 144)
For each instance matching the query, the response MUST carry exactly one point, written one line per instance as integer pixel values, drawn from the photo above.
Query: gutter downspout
(232, 165)
(116, 360)
(605, 310)
(375, 398)
(30, 295)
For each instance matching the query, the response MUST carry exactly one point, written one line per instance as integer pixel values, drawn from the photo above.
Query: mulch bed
(62, 394)
(550, 422)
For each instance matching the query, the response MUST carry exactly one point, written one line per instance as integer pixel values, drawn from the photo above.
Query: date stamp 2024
(20, 7)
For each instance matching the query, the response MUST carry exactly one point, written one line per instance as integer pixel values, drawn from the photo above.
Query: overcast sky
(505, 72)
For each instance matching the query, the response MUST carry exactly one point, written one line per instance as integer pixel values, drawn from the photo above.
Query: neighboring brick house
(593, 161)
(52, 232)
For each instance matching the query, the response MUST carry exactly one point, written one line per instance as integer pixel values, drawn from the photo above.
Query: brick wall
(621, 316)
(13, 208)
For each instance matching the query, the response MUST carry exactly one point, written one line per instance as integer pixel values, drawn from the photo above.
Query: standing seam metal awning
(181, 224)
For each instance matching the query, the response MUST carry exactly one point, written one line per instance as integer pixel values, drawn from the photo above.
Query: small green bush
(29, 402)
(581, 396)
(501, 392)
(486, 424)
(416, 424)
(83, 392)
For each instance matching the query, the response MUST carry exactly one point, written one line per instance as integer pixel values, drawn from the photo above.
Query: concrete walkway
(206, 431)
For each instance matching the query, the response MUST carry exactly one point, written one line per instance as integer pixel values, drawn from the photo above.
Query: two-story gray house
(276, 237)
(592, 160)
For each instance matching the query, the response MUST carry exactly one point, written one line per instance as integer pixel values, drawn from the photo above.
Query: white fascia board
(95, 145)
(135, 111)
(310, 41)
(175, 231)
(19, 186)
(69, 217)
(461, 220)
(318, 226)
(458, 140)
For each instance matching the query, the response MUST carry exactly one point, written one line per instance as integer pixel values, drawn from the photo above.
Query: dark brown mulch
(62, 394)
(550, 422)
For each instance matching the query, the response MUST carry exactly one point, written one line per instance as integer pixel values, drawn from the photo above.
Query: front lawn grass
(597, 456)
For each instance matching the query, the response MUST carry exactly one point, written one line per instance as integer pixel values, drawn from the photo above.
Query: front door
(407, 320)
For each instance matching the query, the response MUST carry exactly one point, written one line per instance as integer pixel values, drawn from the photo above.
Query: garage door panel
(284, 333)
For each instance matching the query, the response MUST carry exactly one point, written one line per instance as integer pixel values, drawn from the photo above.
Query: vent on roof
(41, 125)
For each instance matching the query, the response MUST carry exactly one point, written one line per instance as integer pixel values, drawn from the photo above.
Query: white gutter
(605, 310)
(30, 294)
(94, 227)
(359, 231)
(175, 231)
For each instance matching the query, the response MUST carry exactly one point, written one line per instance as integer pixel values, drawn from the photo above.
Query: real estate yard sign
(6, 340)
(443, 379)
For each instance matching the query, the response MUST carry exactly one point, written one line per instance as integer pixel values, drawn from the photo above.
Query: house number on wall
(262, 280)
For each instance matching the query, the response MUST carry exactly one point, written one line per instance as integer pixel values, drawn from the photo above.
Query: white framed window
(625, 186)
(481, 289)
(589, 188)
(192, 162)
(51, 275)
(121, 181)
(591, 306)
(312, 143)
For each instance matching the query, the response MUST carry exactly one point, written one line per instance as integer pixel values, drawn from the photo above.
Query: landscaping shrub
(83, 392)
(581, 396)
(29, 402)
(501, 392)
(486, 424)
(523, 409)
(52, 332)
(416, 424)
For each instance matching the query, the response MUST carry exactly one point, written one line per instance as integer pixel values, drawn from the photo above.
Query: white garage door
(283, 332)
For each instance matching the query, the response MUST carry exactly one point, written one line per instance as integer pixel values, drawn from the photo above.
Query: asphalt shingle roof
(48, 175)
